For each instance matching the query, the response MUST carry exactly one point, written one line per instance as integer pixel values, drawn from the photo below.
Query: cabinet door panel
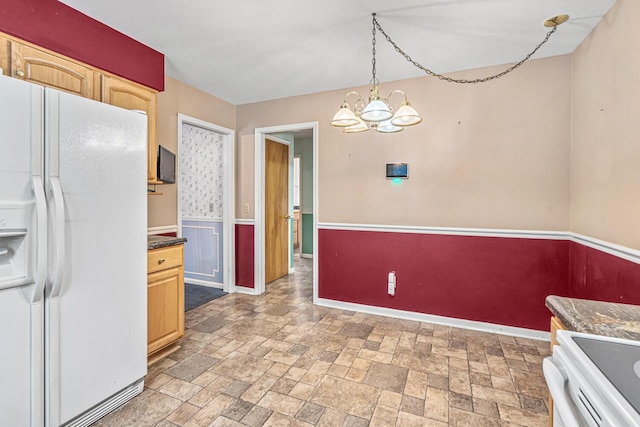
(165, 315)
(42, 68)
(132, 97)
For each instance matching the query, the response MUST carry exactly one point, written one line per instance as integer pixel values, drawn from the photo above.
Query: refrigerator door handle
(37, 315)
(41, 238)
(59, 224)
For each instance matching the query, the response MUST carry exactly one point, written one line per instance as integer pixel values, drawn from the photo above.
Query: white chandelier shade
(344, 117)
(387, 126)
(376, 111)
(360, 127)
(406, 116)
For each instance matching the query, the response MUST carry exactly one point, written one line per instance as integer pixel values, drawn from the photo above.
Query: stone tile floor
(278, 360)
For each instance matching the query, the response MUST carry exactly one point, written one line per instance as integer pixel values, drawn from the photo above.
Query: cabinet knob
(160, 261)
(20, 73)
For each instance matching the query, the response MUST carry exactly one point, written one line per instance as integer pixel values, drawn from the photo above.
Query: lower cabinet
(165, 298)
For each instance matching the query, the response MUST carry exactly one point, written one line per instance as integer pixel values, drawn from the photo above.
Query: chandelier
(378, 112)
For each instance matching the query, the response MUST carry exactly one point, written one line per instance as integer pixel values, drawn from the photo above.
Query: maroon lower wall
(60, 28)
(489, 279)
(498, 280)
(244, 255)
(597, 275)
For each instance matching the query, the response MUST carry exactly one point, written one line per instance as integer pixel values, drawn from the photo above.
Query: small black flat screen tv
(166, 165)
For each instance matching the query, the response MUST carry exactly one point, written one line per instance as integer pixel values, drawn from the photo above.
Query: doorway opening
(302, 137)
(206, 210)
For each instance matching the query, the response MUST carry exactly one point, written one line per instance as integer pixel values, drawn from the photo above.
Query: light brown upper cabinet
(26, 61)
(128, 95)
(37, 66)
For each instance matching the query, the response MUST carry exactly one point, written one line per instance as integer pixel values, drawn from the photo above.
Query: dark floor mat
(196, 295)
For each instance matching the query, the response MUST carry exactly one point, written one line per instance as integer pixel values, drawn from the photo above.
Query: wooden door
(276, 210)
(127, 95)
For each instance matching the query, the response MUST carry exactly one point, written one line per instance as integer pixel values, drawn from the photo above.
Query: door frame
(228, 200)
(299, 157)
(259, 176)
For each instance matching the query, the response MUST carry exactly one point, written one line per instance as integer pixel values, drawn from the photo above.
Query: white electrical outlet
(246, 207)
(391, 283)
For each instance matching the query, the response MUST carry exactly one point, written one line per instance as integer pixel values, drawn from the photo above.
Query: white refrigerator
(73, 213)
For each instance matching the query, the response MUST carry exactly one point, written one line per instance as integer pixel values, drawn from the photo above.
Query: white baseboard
(310, 256)
(245, 290)
(439, 320)
(292, 270)
(203, 283)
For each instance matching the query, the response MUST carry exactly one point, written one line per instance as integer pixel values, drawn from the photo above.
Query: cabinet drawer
(163, 258)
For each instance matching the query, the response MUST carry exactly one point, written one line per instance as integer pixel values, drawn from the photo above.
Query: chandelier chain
(446, 78)
(373, 50)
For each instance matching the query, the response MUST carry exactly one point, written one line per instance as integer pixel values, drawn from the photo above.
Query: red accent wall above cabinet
(60, 28)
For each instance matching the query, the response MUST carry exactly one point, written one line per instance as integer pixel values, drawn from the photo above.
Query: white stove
(594, 381)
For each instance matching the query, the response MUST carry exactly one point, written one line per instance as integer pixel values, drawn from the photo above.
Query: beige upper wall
(605, 178)
(245, 175)
(181, 98)
(505, 154)
(493, 155)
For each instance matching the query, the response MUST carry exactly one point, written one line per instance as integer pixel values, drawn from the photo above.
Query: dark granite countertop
(597, 317)
(155, 242)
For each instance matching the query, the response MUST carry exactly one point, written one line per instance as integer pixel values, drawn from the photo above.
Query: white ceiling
(255, 50)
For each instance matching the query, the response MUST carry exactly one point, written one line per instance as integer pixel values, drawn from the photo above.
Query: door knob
(288, 217)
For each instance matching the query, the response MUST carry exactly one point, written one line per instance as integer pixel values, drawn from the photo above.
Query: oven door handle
(556, 377)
